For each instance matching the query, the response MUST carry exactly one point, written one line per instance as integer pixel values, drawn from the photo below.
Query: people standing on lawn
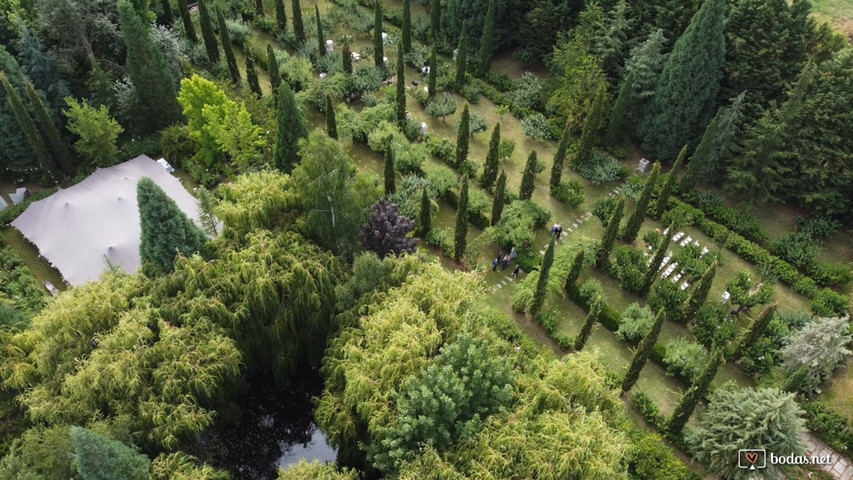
(495, 265)
(516, 270)
(505, 262)
(513, 253)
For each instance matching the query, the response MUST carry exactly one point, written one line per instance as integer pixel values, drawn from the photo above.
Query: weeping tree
(401, 90)
(498, 200)
(699, 294)
(463, 133)
(574, 271)
(487, 41)
(641, 355)
(461, 59)
(407, 26)
(528, 183)
(166, 230)
(187, 21)
(425, 223)
(390, 176)
(432, 78)
(559, 158)
(687, 403)
(755, 331)
(666, 189)
(225, 37)
(298, 26)
(591, 318)
(280, 16)
(331, 121)
(378, 44)
(461, 232)
(635, 221)
(207, 32)
(272, 65)
(542, 283)
(490, 168)
(252, 73)
(602, 256)
(654, 267)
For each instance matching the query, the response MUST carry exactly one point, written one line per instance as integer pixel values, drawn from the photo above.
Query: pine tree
(487, 41)
(187, 21)
(687, 403)
(401, 90)
(331, 121)
(707, 161)
(463, 133)
(700, 293)
(407, 26)
(586, 329)
(590, 131)
(321, 39)
(432, 77)
(168, 16)
(528, 179)
(259, 8)
(275, 76)
(29, 129)
(390, 175)
(666, 189)
(58, 147)
(688, 85)
(490, 169)
(654, 267)
(280, 16)
(642, 354)
(251, 73)
(638, 216)
(542, 282)
(574, 271)
(462, 59)
(298, 26)
(346, 53)
(207, 32)
(559, 158)
(291, 127)
(225, 37)
(425, 223)
(602, 256)
(378, 44)
(755, 331)
(101, 458)
(434, 21)
(166, 230)
(498, 200)
(461, 233)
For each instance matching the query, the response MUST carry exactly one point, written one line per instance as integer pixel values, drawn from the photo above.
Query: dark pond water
(276, 429)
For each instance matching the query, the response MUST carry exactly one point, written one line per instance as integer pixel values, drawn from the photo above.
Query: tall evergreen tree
(490, 168)
(586, 329)
(187, 21)
(700, 293)
(688, 85)
(654, 267)
(687, 403)
(666, 189)
(298, 26)
(707, 161)
(487, 41)
(462, 59)
(29, 129)
(542, 283)
(252, 73)
(401, 90)
(321, 39)
(602, 256)
(225, 37)
(331, 121)
(642, 354)
(463, 133)
(425, 219)
(390, 175)
(58, 147)
(498, 200)
(435, 20)
(460, 234)
(528, 179)
(638, 216)
(378, 44)
(432, 77)
(590, 130)
(166, 230)
(207, 32)
(559, 158)
(280, 16)
(755, 331)
(168, 16)
(347, 58)
(275, 76)
(100, 458)
(259, 8)
(407, 26)
(574, 271)
(291, 127)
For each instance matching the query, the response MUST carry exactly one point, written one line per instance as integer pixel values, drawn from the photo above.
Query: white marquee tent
(78, 228)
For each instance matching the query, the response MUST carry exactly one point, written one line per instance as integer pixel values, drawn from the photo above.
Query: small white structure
(322, 75)
(643, 165)
(384, 37)
(423, 129)
(385, 61)
(166, 165)
(3, 204)
(330, 45)
(356, 56)
(726, 297)
(19, 196)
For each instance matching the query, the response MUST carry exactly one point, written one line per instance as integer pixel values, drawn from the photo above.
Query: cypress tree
(463, 133)
(618, 123)
(487, 41)
(168, 16)
(462, 58)
(688, 85)
(490, 169)
(98, 457)
(390, 176)
(793, 383)
(298, 26)
(542, 283)
(321, 41)
(225, 37)
(275, 76)
(652, 272)
(166, 230)
(425, 223)
(291, 127)
(461, 233)
(378, 44)
(666, 189)
(187, 21)
(432, 77)
(435, 20)
(586, 330)
(280, 16)
(574, 271)
(602, 256)
(528, 179)
(407, 26)
(259, 7)
(207, 32)
(700, 293)
(58, 147)
(707, 161)
(559, 158)
(331, 121)
(401, 90)
(590, 131)
(635, 221)
(347, 58)
(687, 404)
(755, 331)
(641, 355)
(498, 200)
(251, 73)
(29, 129)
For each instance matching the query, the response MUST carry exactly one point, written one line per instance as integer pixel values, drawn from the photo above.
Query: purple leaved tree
(386, 230)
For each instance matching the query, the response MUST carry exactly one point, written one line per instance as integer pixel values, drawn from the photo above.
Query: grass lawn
(837, 12)
(39, 267)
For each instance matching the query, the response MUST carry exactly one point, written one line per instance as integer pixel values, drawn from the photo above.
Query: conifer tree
(700, 293)
(688, 85)
(29, 129)
(542, 282)
(463, 133)
(755, 331)
(166, 230)
(378, 44)
(434, 21)
(602, 256)
(58, 147)
(528, 179)
(100, 458)
(707, 161)
(638, 216)
(687, 403)
(586, 329)
(207, 32)
(559, 158)
(291, 127)
(321, 39)
(168, 16)
(390, 175)
(187, 21)
(590, 130)
(498, 200)
(251, 73)
(298, 26)
(487, 41)
(425, 219)
(407, 26)
(462, 58)
(460, 234)
(432, 77)
(275, 76)
(666, 189)
(280, 16)
(225, 37)
(794, 382)
(259, 8)
(331, 121)
(347, 58)
(642, 354)
(574, 271)
(490, 168)
(401, 90)
(654, 267)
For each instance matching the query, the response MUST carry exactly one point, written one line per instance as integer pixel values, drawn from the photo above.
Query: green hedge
(548, 321)
(649, 410)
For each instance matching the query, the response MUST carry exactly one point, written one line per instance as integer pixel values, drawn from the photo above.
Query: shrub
(590, 290)
(833, 274)
(602, 169)
(603, 208)
(827, 303)
(830, 426)
(441, 105)
(527, 92)
(548, 321)
(366, 78)
(652, 237)
(506, 148)
(635, 323)
(570, 193)
(685, 359)
(649, 458)
(681, 216)
(442, 180)
(818, 228)
(798, 249)
(442, 148)
(630, 267)
(479, 206)
(758, 358)
(518, 221)
(712, 325)
(237, 31)
(649, 410)
(537, 126)
(634, 187)
(669, 297)
(381, 137)
(370, 119)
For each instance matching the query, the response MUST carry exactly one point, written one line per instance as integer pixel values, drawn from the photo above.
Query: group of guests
(503, 261)
(557, 229)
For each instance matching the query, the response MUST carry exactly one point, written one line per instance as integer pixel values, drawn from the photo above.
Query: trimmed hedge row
(649, 410)
(732, 219)
(548, 321)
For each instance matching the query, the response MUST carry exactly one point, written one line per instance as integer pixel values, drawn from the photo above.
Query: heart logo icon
(752, 457)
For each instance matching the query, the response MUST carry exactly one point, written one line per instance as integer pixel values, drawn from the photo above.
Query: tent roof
(78, 228)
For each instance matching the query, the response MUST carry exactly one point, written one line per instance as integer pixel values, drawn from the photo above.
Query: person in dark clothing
(516, 270)
(505, 262)
(495, 265)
